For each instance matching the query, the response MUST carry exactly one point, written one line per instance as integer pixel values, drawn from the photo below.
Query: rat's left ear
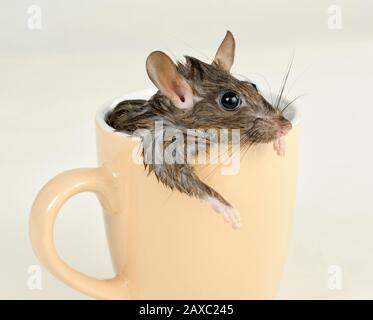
(163, 73)
(225, 55)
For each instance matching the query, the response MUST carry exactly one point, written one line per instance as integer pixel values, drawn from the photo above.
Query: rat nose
(283, 126)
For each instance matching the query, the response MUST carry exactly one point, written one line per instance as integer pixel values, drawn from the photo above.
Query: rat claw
(229, 214)
(279, 146)
(275, 145)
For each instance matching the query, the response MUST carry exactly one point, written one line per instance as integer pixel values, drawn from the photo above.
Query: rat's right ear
(162, 72)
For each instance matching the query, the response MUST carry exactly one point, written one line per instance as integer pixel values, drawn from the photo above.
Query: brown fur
(255, 119)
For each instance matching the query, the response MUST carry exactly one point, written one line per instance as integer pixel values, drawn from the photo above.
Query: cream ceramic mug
(166, 245)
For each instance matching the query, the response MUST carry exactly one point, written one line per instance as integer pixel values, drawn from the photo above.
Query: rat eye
(230, 100)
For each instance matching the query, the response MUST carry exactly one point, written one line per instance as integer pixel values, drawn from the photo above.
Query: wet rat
(200, 95)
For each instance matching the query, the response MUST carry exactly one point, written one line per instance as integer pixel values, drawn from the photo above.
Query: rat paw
(229, 213)
(279, 146)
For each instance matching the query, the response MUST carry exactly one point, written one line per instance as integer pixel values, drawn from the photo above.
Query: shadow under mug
(166, 245)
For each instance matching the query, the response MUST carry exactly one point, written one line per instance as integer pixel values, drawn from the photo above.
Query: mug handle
(43, 215)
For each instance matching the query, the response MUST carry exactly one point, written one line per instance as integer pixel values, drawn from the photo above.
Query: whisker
(297, 78)
(292, 101)
(278, 100)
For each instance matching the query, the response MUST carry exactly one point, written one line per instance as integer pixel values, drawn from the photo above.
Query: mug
(167, 245)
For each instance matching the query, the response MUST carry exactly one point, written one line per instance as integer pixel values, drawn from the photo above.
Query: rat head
(212, 98)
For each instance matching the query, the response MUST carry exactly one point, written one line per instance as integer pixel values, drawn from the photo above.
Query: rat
(198, 95)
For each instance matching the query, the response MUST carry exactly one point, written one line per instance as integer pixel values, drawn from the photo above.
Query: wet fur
(254, 118)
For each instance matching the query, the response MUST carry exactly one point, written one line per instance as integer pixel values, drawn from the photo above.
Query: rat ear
(225, 55)
(162, 72)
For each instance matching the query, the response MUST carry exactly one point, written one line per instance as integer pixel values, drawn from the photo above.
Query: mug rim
(292, 113)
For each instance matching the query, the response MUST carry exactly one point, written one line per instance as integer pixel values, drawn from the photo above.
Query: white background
(52, 81)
